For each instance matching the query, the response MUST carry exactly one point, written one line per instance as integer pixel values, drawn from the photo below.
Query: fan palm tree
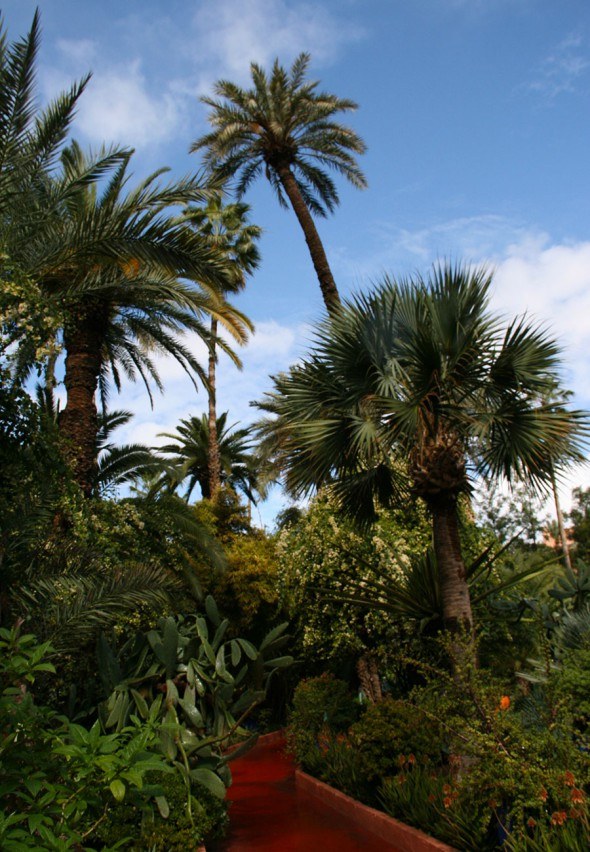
(190, 456)
(283, 127)
(225, 229)
(113, 260)
(423, 371)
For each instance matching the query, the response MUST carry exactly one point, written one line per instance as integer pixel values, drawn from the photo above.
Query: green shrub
(58, 779)
(431, 802)
(389, 729)
(174, 833)
(319, 704)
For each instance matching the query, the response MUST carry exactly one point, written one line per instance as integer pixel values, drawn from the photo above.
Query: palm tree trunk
(78, 422)
(368, 675)
(214, 461)
(456, 600)
(561, 526)
(312, 238)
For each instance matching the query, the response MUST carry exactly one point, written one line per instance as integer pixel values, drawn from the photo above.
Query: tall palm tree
(189, 454)
(423, 371)
(225, 229)
(114, 259)
(283, 127)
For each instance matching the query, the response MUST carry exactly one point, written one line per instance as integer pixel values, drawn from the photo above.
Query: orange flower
(447, 789)
(558, 818)
(577, 796)
(543, 794)
(411, 759)
(505, 702)
(569, 779)
(401, 778)
(447, 801)
(531, 822)
(401, 759)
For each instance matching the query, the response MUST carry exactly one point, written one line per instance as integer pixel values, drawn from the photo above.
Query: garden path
(268, 813)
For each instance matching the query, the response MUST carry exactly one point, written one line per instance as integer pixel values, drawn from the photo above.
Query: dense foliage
(142, 636)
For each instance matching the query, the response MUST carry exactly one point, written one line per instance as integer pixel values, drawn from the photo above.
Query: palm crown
(284, 128)
(189, 453)
(423, 371)
(113, 260)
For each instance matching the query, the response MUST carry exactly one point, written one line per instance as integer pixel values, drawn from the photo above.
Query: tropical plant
(58, 778)
(225, 228)
(189, 455)
(284, 128)
(113, 259)
(201, 685)
(323, 553)
(579, 517)
(124, 463)
(422, 370)
(30, 139)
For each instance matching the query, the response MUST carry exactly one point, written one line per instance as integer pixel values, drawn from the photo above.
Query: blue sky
(475, 114)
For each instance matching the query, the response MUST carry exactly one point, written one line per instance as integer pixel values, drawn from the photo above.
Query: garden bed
(404, 837)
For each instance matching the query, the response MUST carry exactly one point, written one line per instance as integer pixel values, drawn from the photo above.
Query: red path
(268, 814)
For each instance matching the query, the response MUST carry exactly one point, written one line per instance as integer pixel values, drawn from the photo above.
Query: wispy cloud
(561, 71)
(469, 238)
(131, 100)
(233, 33)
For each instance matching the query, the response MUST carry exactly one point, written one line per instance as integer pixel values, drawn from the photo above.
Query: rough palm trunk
(312, 238)
(456, 600)
(78, 423)
(368, 675)
(214, 460)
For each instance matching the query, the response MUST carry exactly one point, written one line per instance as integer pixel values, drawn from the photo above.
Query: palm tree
(123, 463)
(190, 456)
(30, 139)
(423, 371)
(113, 261)
(283, 127)
(225, 229)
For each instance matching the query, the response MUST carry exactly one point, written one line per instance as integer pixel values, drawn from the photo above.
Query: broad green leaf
(273, 634)
(220, 661)
(163, 806)
(236, 654)
(117, 788)
(210, 781)
(248, 648)
(141, 703)
(212, 611)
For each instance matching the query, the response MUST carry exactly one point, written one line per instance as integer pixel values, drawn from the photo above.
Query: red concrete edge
(404, 837)
(274, 738)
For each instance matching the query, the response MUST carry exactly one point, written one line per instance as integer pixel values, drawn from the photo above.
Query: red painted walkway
(269, 815)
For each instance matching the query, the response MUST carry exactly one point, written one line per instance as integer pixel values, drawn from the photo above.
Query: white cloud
(233, 33)
(561, 71)
(468, 238)
(552, 282)
(78, 51)
(118, 106)
(141, 101)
